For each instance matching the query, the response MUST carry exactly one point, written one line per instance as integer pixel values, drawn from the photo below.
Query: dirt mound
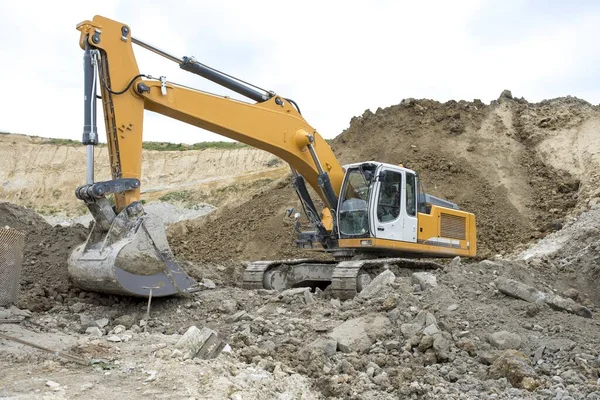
(44, 275)
(497, 161)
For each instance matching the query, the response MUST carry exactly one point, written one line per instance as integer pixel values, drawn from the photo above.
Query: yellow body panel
(429, 230)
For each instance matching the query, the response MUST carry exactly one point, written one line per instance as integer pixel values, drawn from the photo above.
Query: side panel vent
(453, 226)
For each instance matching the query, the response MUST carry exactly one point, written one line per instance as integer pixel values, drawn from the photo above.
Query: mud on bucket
(12, 243)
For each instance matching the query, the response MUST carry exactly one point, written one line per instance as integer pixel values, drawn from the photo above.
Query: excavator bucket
(127, 254)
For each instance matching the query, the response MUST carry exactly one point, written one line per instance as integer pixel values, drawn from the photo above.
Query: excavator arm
(272, 124)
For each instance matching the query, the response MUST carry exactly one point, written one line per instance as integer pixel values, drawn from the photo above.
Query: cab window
(388, 205)
(411, 195)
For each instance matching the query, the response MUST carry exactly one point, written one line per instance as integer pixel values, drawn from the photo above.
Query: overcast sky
(334, 58)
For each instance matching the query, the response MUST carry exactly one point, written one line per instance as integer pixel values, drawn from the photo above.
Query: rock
(571, 377)
(426, 343)
(336, 303)
(515, 367)
(441, 346)
(424, 279)
(294, 291)
(114, 339)
(152, 376)
(429, 357)
(118, 329)
(203, 343)
(568, 305)
(236, 317)
(455, 263)
(86, 321)
(381, 379)
(309, 298)
(209, 284)
(571, 293)
(381, 281)
(325, 346)
(452, 307)
(176, 353)
(78, 307)
(102, 322)
(431, 330)
(94, 331)
(486, 357)
(519, 290)
(17, 312)
(357, 334)
(424, 318)
(53, 385)
(228, 306)
(126, 320)
(394, 315)
(504, 340)
(389, 304)
(409, 330)
(467, 345)
(392, 345)
(506, 95)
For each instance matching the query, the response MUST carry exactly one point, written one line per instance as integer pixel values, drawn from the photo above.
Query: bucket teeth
(132, 258)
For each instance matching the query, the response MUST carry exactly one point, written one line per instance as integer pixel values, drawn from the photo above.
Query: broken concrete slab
(356, 334)
(530, 294)
(380, 282)
(203, 343)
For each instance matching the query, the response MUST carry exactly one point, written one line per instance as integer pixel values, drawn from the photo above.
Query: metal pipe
(89, 173)
(191, 65)
(90, 70)
(156, 50)
(313, 153)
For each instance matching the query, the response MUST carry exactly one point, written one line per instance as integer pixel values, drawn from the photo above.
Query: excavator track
(346, 278)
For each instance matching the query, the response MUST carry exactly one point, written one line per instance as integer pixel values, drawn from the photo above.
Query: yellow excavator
(375, 214)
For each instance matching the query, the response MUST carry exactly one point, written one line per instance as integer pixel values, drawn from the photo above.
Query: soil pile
(501, 161)
(44, 275)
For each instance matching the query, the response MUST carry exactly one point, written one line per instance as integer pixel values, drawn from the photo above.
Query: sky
(336, 59)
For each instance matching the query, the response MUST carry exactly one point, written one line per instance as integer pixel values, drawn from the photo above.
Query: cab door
(394, 209)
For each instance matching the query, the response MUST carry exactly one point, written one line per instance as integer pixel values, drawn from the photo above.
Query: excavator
(375, 215)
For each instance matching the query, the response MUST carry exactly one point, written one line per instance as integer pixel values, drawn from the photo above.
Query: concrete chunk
(356, 334)
(381, 281)
(424, 279)
(203, 343)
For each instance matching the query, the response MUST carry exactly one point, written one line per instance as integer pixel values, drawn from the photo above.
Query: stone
(326, 346)
(517, 289)
(378, 284)
(452, 307)
(126, 320)
(176, 353)
(102, 322)
(392, 345)
(515, 367)
(94, 331)
(506, 95)
(357, 334)
(425, 280)
(203, 343)
(228, 306)
(467, 345)
(114, 339)
(209, 284)
(409, 330)
(86, 321)
(17, 312)
(236, 317)
(505, 340)
(441, 346)
(571, 294)
(309, 299)
(389, 303)
(53, 385)
(78, 307)
(118, 329)
(395, 315)
(431, 330)
(335, 303)
(426, 343)
(455, 263)
(294, 291)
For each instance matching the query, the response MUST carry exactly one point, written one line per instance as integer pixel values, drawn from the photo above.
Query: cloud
(335, 58)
